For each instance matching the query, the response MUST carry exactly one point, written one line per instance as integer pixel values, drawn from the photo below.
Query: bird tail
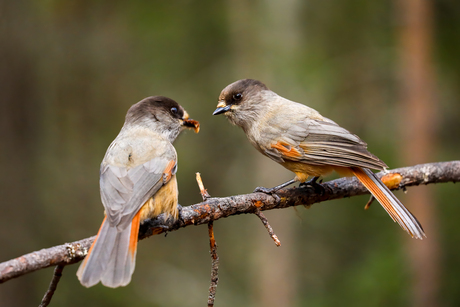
(389, 202)
(112, 257)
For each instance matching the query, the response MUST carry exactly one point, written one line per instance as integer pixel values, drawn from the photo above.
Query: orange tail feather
(389, 202)
(134, 234)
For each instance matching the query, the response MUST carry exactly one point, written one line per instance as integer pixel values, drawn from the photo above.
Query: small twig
(204, 193)
(391, 180)
(53, 285)
(213, 248)
(214, 265)
(369, 202)
(267, 225)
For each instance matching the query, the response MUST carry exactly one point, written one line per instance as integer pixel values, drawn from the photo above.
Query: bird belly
(164, 201)
(304, 170)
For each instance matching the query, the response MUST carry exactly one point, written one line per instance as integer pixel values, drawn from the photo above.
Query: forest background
(388, 71)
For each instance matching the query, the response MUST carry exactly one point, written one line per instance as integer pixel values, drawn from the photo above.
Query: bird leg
(274, 189)
(310, 182)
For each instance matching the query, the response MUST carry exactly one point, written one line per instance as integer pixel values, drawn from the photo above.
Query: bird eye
(174, 110)
(237, 96)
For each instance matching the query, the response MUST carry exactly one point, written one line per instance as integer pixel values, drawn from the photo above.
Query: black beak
(221, 110)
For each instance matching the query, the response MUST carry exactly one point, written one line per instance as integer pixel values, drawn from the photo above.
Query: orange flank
(287, 150)
(392, 180)
(134, 234)
(168, 171)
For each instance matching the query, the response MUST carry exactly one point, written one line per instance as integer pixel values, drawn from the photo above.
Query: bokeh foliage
(69, 71)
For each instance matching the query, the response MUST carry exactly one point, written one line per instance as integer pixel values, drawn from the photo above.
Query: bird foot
(179, 215)
(271, 192)
(265, 190)
(317, 187)
(155, 223)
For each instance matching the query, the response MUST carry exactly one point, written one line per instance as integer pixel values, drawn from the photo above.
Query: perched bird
(307, 143)
(137, 181)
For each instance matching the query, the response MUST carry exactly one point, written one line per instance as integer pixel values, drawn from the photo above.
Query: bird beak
(190, 123)
(221, 108)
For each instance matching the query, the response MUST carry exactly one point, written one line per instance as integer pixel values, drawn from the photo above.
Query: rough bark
(216, 208)
(214, 265)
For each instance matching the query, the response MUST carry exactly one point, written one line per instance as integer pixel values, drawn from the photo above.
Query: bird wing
(320, 142)
(124, 190)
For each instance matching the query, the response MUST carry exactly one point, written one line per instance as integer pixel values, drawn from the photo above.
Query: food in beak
(192, 124)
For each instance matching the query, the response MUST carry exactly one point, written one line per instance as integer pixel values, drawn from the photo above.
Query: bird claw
(155, 223)
(271, 192)
(317, 187)
(179, 215)
(264, 190)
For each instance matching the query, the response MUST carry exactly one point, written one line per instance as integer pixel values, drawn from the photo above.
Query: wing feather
(124, 191)
(321, 142)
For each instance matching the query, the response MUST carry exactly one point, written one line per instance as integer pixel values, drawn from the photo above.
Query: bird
(307, 143)
(137, 182)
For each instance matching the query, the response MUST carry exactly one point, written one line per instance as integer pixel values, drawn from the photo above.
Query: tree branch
(216, 208)
(53, 285)
(269, 228)
(214, 265)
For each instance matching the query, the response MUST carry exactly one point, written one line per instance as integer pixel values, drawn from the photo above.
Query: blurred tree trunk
(277, 283)
(419, 125)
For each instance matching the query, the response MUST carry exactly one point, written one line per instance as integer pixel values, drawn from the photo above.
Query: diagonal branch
(53, 285)
(269, 228)
(216, 208)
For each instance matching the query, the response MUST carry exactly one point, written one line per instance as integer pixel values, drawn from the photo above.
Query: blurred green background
(387, 70)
